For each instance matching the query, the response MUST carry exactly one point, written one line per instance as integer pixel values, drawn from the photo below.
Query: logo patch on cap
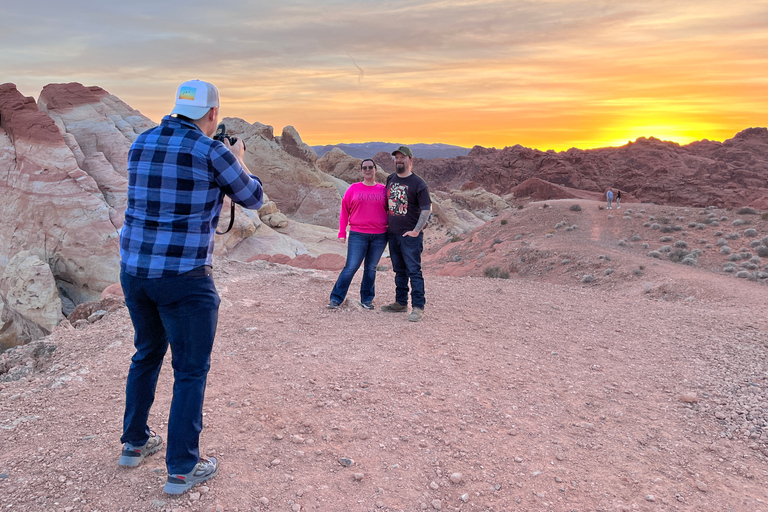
(187, 93)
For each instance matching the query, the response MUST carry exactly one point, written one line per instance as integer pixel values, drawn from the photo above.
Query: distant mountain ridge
(368, 149)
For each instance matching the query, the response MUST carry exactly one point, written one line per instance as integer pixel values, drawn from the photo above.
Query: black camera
(221, 134)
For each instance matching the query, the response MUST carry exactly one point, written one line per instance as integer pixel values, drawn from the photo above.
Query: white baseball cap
(194, 98)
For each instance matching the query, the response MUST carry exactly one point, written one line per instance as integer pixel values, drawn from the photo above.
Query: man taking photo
(177, 179)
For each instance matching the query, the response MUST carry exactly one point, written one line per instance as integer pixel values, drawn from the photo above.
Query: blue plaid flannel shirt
(177, 179)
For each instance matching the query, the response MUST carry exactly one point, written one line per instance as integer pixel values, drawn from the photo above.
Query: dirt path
(543, 397)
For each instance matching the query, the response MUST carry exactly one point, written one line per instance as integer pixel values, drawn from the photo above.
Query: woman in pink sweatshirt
(364, 208)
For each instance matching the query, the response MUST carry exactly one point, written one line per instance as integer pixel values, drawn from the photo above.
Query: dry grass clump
(725, 250)
(732, 236)
(762, 251)
(588, 278)
(666, 239)
(746, 211)
(682, 244)
(635, 238)
(496, 273)
(575, 208)
(750, 233)
(655, 254)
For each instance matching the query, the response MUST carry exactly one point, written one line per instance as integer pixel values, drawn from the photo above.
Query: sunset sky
(546, 74)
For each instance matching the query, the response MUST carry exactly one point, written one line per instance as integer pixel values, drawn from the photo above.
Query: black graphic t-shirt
(406, 198)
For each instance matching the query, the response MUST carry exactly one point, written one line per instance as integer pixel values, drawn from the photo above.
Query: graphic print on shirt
(398, 199)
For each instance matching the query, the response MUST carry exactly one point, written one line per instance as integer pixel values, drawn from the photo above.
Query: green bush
(504, 222)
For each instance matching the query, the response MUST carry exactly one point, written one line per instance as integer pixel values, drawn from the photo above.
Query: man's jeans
(405, 253)
(360, 246)
(183, 311)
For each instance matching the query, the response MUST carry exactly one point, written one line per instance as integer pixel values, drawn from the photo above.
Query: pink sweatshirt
(364, 208)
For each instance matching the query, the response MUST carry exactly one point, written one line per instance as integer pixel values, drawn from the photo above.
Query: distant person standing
(609, 196)
(364, 208)
(618, 200)
(177, 179)
(409, 209)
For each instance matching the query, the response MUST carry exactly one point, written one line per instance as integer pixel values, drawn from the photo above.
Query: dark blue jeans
(360, 247)
(181, 311)
(405, 253)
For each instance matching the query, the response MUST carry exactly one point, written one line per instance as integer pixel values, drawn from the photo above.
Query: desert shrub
(518, 237)
(455, 239)
(746, 211)
(750, 266)
(666, 239)
(690, 261)
(496, 273)
(548, 235)
(565, 261)
(764, 216)
(721, 242)
(651, 217)
(738, 222)
(707, 221)
(638, 271)
(666, 229)
(645, 246)
(764, 240)
(708, 246)
(745, 255)
(647, 225)
(755, 243)
(635, 238)
(456, 257)
(702, 240)
(732, 236)
(762, 275)
(762, 251)
(638, 215)
(604, 257)
(681, 244)
(714, 223)
(718, 233)
(697, 252)
(622, 243)
(677, 227)
(655, 226)
(655, 254)
(678, 255)
(503, 222)
(575, 208)
(559, 225)
(665, 248)
(588, 278)
(742, 274)
(730, 267)
(642, 211)
(519, 207)
(734, 257)
(569, 228)
(692, 224)
(608, 271)
(700, 226)
(724, 218)
(750, 233)
(664, 220)
(626, 217)
(725, 250)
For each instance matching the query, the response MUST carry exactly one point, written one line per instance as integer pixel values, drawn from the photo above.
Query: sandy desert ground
(641, 389)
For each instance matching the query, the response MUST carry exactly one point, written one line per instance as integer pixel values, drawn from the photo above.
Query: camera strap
(231, 220)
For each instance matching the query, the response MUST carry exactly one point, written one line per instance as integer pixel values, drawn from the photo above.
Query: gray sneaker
(133, 455)
(395, 307)
(202, 472)
(416, 315)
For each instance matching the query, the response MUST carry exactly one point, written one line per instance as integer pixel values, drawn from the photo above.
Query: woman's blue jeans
(361, 247)
(181, 311)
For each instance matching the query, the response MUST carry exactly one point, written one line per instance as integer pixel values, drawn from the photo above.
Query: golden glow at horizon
(552, 74)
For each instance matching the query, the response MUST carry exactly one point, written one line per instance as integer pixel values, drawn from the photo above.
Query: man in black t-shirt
(409, 208)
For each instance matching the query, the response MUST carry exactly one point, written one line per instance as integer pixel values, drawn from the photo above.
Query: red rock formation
(704, 173)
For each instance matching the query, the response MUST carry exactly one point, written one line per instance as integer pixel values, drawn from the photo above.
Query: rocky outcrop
(345, 167)
(51, 206)
(286, 167)
(704, 173)
(29, 302)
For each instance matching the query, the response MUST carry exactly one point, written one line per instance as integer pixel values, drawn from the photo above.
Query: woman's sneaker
(133, 455)
(203, 471)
